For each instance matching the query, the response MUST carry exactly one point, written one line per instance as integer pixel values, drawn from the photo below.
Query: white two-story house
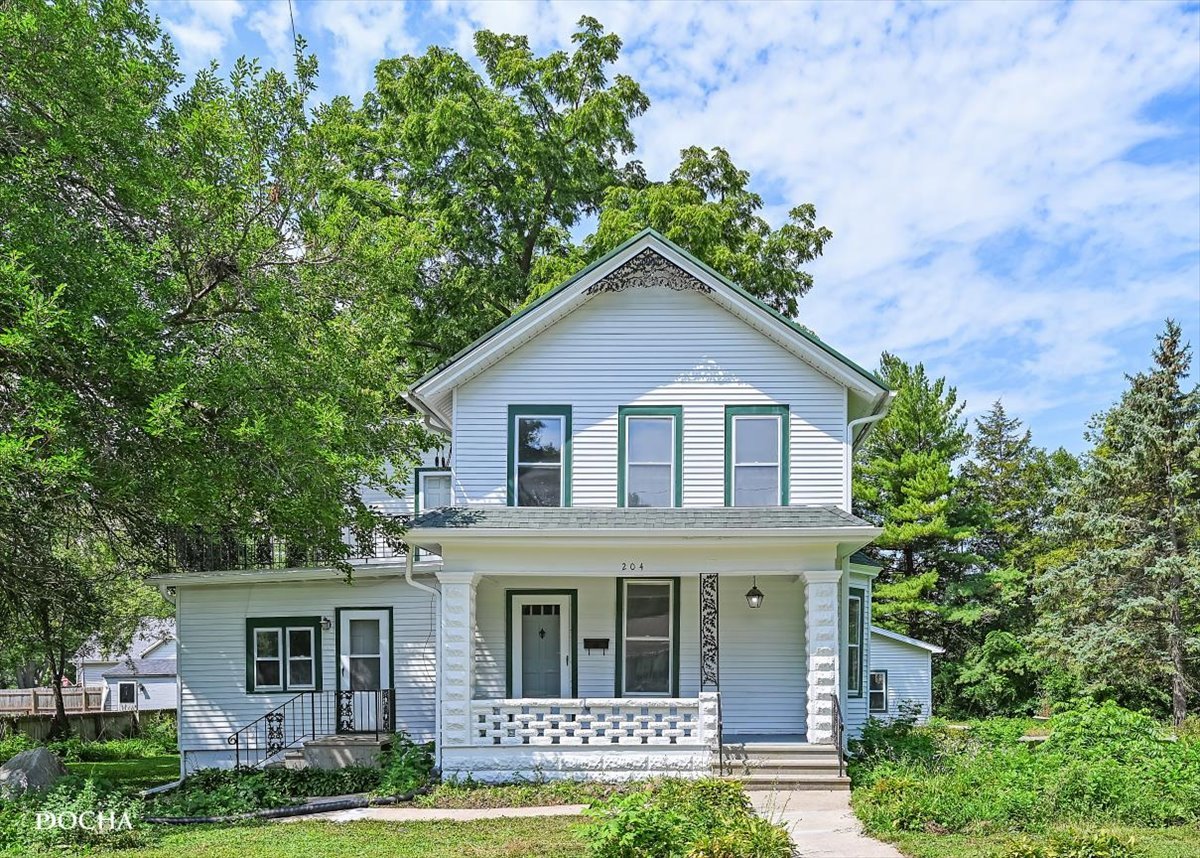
(634, 555)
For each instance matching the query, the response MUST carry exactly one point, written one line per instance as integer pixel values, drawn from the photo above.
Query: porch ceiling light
(754, 596)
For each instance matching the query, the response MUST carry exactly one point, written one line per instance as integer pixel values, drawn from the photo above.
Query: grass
(550, 836)
(468, 794)
(131, 775)
(1178, 842)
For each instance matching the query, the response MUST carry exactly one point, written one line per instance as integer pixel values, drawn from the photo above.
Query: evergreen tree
(1124, 612)
(905, 481)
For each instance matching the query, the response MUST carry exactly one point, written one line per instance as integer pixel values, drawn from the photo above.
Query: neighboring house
(901, 677)
(141, 678)
(634, 556)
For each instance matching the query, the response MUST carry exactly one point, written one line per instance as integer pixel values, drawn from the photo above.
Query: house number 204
(633, 567)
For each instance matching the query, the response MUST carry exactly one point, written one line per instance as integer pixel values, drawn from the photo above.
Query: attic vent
(645, 270)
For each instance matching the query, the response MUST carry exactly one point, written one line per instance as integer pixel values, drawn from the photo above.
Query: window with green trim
(877, 692)
(756, 455)
(649, 455)
(283, 654)
(648, 637)
(539, 455)
(854, 628)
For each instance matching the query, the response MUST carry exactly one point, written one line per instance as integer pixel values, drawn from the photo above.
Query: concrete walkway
(821, 823)
(424, 814)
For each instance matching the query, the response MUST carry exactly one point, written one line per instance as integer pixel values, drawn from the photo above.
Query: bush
(1100, 763)
(13, 744)
(683, 819)
(404, 767)
(18, 818)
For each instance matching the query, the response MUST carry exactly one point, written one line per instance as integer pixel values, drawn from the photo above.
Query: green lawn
(1181, 842)
(132, 775)
(529, 837)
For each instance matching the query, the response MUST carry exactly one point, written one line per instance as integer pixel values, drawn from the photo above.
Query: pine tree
(1124, 613)
(905, 482)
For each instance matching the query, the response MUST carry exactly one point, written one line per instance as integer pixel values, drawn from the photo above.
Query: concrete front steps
(334, 752)
(784, 765)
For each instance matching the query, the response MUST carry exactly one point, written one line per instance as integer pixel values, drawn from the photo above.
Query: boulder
(31, 771)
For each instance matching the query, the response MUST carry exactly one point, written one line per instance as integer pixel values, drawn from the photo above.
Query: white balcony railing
(594, 721)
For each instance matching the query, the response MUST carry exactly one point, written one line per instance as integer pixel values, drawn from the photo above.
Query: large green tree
(189, 334)
(707, 207)
(1124, 611)
(905, 481)
(494, 166)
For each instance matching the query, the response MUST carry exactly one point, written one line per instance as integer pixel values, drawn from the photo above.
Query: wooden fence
(34, 701)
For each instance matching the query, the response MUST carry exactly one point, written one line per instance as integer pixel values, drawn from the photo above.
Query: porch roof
(547, 521)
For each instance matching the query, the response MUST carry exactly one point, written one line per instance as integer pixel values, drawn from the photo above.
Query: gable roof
(430, 393)
(905, 639)
(150, 634)
(142, 667)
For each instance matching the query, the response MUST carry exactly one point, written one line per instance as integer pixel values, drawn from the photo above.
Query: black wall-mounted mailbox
(590, 644)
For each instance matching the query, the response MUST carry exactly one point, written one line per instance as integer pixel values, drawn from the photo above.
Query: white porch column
(458, 655)
(821, 649)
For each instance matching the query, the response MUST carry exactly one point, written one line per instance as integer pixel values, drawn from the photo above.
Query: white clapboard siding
(153, 693)
(212, 654)
(597, 606)
(910, 675)
(650, 347)
(763, 667)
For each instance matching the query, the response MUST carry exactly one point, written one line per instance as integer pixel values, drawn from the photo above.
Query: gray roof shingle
(614, 518)
(141, 667)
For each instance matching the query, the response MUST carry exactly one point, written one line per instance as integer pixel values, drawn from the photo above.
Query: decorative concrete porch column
(821, 632)
(458, 655)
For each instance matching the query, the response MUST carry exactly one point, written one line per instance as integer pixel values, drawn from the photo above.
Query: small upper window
(539, 459)
(127, 693)
(649, 455)
(756, 473)
(433, 491)
(877, 691)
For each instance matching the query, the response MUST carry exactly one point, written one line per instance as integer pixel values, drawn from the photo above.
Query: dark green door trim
(674, 411)
(391, 639)
(619, 636)
(508, 634)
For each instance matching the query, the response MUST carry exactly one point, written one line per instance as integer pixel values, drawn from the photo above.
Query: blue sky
(1013, 188)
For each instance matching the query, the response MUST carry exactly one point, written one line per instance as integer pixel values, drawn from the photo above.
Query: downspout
(409, 559)
(880, 413)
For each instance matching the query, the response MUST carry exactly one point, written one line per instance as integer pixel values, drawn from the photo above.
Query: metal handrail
(313, 715)
(839, 733)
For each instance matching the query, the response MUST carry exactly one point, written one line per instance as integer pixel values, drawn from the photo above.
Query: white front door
(365, 665)
(541, 646)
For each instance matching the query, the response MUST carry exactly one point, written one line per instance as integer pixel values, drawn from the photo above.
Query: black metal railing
(191, 550)
(839, 734)
(313, 715)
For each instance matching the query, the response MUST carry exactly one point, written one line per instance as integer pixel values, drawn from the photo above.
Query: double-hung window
(649, 453)
(854, 628)
(877, 692)
(648, 637)
(539, 455)
(283, 654)
(433, 489)
(756, 455)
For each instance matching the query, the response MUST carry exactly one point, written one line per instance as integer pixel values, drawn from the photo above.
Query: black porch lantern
(754, 596)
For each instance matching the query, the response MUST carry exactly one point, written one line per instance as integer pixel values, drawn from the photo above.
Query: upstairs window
(539, 455)
(433, 489)
(756, 455)
(649, 449)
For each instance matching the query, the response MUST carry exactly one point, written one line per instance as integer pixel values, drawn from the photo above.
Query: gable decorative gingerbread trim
(645, 270)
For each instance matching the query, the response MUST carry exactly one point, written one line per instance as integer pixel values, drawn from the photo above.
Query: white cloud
(200, 28)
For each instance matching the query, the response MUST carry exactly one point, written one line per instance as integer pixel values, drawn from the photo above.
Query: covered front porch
(552, 665)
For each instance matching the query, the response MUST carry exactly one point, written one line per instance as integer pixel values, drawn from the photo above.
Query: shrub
(13, 744)
(1101, 763)
(683, 819)
(19, 830)
(404, 767)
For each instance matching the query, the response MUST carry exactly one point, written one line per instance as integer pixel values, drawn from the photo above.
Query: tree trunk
(59, 726)
(1175, 649)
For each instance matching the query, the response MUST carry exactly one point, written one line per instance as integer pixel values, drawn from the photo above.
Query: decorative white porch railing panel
(590, 721)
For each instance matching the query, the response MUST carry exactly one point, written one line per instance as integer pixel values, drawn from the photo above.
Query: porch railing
(198, 551)
(313, 715)
(588, 721)
(839, 734)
